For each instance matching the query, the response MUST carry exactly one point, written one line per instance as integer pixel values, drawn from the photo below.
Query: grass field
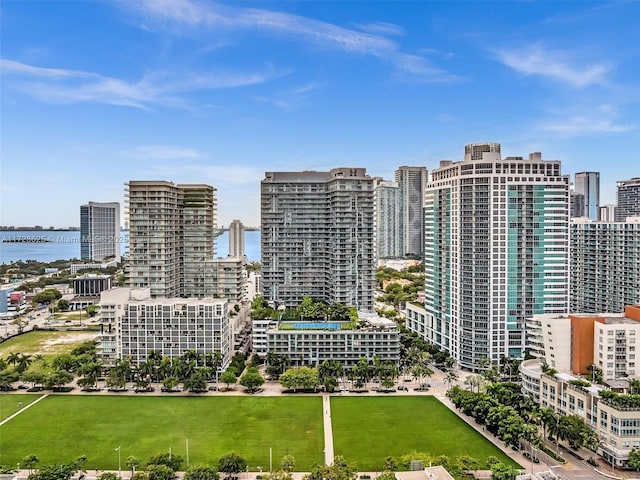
(62, 427)
(47, 343)
(10, 404)
(368, 429)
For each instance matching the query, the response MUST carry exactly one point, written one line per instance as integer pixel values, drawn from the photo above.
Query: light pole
(270, 460)
(119, 464)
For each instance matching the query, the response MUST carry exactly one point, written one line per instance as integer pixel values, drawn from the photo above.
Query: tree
(229, 377)
(160, 472)
(29, 462)
(465, 462)
(231, 463)
(24, 361)
(109, 476)
(339, 470)
(386, 475)
(252, 379)
(500, 471)
(278, 475)
(197, 382)
(132, 463)
(450, 378)
(47, 296)
(288, 463)
(634, 459)
(170, 383)
(390, 464)
(58, 378)
(172, 461)
(201, 472)
(63, 305)
(305, 378)
(81, 462)
(92, 310)
(55, 471)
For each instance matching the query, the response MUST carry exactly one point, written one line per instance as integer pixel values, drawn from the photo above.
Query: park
(366, 430)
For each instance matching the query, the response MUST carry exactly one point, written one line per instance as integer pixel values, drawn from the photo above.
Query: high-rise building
(576, 205)
(134, 324)
(496, 252)
(588, 185)
(411, 185)
(317, 237)
(628, 199)
(100, 231)
(171, 238)
(387, 220)
(605, 259)
(236, 239)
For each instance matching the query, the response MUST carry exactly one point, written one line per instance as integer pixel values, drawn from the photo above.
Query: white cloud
(164, 88)
(192, 13)
(536, 60)
(163, 152)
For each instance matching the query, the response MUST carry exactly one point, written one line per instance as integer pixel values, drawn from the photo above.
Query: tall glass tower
(587, 184)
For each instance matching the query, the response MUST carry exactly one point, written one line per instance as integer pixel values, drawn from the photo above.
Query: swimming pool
(316, 326)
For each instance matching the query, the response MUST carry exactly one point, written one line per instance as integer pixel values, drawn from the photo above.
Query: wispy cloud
(163, 152)
(164, 88)
(582, 125)
(381, 28)
(599, 119)
(291, 99)
(535, 59)
(213, 16)
(11, 66)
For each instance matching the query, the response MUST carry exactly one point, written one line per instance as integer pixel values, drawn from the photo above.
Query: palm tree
(191, 355)
(561, 430)
(547, 418)
(165, 368)
(450, 378)
(23, 362)
(13, 358)
(634, 386)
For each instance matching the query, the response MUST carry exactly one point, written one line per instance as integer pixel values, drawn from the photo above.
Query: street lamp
(119, 464)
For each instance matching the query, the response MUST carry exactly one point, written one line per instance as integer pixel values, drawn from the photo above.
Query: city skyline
(221, 92)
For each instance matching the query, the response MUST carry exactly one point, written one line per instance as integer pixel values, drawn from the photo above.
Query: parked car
(402, 387)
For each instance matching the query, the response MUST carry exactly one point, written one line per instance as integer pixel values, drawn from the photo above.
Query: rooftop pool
(316, 326)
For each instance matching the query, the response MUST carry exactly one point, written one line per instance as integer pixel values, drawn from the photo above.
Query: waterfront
(49, 245)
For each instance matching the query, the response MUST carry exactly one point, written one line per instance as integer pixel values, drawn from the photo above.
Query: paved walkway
(24, 408)
(328, 431)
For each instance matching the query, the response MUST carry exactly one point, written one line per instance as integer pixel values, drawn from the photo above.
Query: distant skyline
(94, 94)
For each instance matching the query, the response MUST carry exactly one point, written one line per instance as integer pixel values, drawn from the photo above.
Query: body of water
(47, 246)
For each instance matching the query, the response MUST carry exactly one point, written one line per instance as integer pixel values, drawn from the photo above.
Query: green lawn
(366, 430)
(45, 342)
(11, 403)
(62, 427)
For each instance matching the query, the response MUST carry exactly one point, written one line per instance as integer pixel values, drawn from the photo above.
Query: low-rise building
(312, 342)
(616, 424)
(87, 290)
(574, 342)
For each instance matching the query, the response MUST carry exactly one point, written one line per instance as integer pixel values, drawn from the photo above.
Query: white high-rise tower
(496, 252)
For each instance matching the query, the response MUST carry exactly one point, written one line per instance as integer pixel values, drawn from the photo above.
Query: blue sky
(95, 93)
